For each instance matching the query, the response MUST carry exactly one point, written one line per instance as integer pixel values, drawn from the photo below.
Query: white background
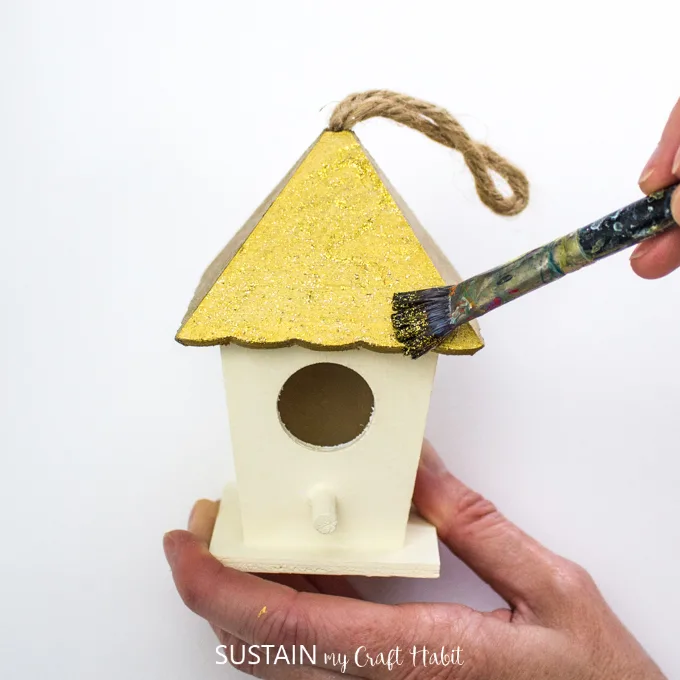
(136, 137)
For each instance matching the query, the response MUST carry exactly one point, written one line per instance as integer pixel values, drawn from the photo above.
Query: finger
(315, 583)
(262, 612)
(519, 568)
(294, 581)
(660, 255)
(334, 585)
(202, 519)
(659, 171)
(503, 614)
(201, 524)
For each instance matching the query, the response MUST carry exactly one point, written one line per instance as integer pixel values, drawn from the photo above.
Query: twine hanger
(438, 124)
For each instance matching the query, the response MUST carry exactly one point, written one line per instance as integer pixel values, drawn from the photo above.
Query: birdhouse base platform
(419, 556)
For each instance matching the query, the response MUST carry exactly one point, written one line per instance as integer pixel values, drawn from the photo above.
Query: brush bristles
(422, 319)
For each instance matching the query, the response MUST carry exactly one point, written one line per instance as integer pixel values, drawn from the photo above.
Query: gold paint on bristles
(412, 328)
(322, 265)
(420, 318)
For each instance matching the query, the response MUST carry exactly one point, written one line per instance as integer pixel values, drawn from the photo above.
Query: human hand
(661, 255)
(557, 626)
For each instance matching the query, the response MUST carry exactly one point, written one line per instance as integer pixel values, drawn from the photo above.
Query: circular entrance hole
(325, 405)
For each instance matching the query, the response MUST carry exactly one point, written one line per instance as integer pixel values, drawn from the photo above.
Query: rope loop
(439, 125)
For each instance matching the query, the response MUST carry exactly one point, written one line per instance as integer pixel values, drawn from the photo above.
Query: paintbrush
(423, 319)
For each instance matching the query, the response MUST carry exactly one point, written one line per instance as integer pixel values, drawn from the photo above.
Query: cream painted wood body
(370, 479)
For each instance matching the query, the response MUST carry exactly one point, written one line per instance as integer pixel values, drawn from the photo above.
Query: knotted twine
(438, 124)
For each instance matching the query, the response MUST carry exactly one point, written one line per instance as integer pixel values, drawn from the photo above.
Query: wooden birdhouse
(326, 414)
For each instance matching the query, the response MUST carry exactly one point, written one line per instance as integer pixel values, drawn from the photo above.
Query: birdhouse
(326, 414)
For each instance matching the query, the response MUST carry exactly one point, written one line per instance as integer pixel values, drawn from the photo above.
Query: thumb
(527, 575)
(661, 255)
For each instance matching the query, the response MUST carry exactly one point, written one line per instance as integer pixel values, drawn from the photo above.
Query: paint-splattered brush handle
(619, 230)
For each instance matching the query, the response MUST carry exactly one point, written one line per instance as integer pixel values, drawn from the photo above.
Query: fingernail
(650, 167)
(191, 515)
(641, 250)
(170, 548)
(676, 163)
(646, 174)
(675, 206)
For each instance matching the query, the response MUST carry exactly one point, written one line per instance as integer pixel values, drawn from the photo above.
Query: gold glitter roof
(319, 261)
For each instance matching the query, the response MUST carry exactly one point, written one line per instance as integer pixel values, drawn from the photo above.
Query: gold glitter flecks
(262, 612)
(321, 266)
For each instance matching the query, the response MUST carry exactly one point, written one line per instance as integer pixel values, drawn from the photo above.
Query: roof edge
(295, 342)
(216, 268)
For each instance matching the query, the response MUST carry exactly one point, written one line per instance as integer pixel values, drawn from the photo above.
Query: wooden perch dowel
(324, 514)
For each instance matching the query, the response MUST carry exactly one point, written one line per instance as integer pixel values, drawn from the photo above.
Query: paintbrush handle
(619, 230)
